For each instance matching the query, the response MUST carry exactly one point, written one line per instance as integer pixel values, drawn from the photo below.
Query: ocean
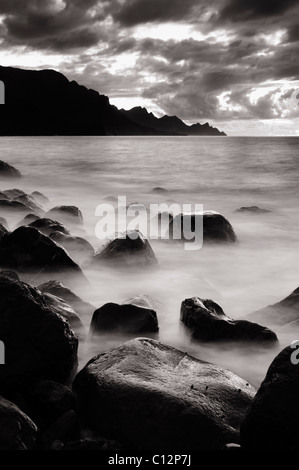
(222, 174)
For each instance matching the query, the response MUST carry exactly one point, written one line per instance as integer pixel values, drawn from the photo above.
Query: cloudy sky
(233, 63)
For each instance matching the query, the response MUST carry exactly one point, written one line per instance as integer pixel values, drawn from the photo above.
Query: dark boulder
(150, 396)
(3, 230)
(9, 171)
(131, 249)
(127, 318)
(17, 431)
(29, 202)
(39, 343)
(84, 309)
(208, 322)
(39, 197)
(92, 444)
(66, 214)
(279, 314)
(27, 250)
(272, 419)
(27, 220)
(252, 210)
(62, 308)
(215, 227)
(3, 196)
(79, 248)
(48, 226)
(66, 428)
(13, 193)
(159, 190)
(12, 207)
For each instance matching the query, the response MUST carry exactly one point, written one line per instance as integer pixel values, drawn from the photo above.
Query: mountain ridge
(45, 102)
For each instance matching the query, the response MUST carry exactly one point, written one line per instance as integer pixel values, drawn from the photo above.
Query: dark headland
(45, 102)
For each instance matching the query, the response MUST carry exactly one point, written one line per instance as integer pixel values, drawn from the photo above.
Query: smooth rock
(17, 431)
(9, 171)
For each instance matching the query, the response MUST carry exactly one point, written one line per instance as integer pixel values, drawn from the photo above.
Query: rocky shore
(141, 394)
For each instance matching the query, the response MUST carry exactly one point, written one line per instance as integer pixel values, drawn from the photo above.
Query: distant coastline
(45, 103)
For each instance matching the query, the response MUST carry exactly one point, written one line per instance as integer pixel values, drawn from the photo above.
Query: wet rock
(131, 249)
(79, 248)
(27, 250)
(127, 318)
(159, 190)
(150, 396)
(3, 230)
(3, 196)
(216, 228)
(279, 314)
(208, 322)
(65, 310)
(48, 226)
(8, 171)
(272, 419)
(84, 309)
(252, 210)
(29, 202)
(17, 431)
(66, 214)
(12, 207)
(13, 193)
(3, 221)
(65, 428)
(39, 343)
(39, 197)
(28, 219)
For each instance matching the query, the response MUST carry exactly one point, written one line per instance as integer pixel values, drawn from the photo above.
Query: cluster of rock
(140, 394)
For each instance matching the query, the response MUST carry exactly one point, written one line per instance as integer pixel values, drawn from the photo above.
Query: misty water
(223, 174)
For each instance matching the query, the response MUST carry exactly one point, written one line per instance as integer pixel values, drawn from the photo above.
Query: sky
(232, 63)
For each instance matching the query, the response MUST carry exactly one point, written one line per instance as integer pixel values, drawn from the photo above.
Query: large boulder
(84, 309)
(27, 220)
(48, 226)
(79, 248)
(39, 197)
(17, 431)
(39, 343)
(27, 250)
(8, 171)
(66, 214)
(61, 307)
(130, 249)
(279, 314)
(29, 202)
(272, 419)
(216, 228)
(126, 318)
(13, 193)
(208, 322)
(12, 207)
(150, 396)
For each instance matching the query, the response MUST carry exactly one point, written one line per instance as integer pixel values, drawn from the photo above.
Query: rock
(11, 275)
(79, 248)
(252, 210)
(111, 199)
(39, 197)
(159, 190)
(7, 206)
(3, 221)
(131, 249)
(13, 193)
(272, 419)
(216, 228)
(3, 196)
(3, 230)
(66, 214)
(17, 431)
(27, 220)
(65, 428)
(48, 401)
(39, 343)
(27, 250)
(8, 171)
(93, 444)
(48, 226)
(84, 309)
(29, 202)
(65, 310)
(150, 396)
(279, 314)
(208, 322)
(142, 300)
(127, 318)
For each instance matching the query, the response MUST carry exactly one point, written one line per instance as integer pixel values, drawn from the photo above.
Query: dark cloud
(134, 12)
(238, 9)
